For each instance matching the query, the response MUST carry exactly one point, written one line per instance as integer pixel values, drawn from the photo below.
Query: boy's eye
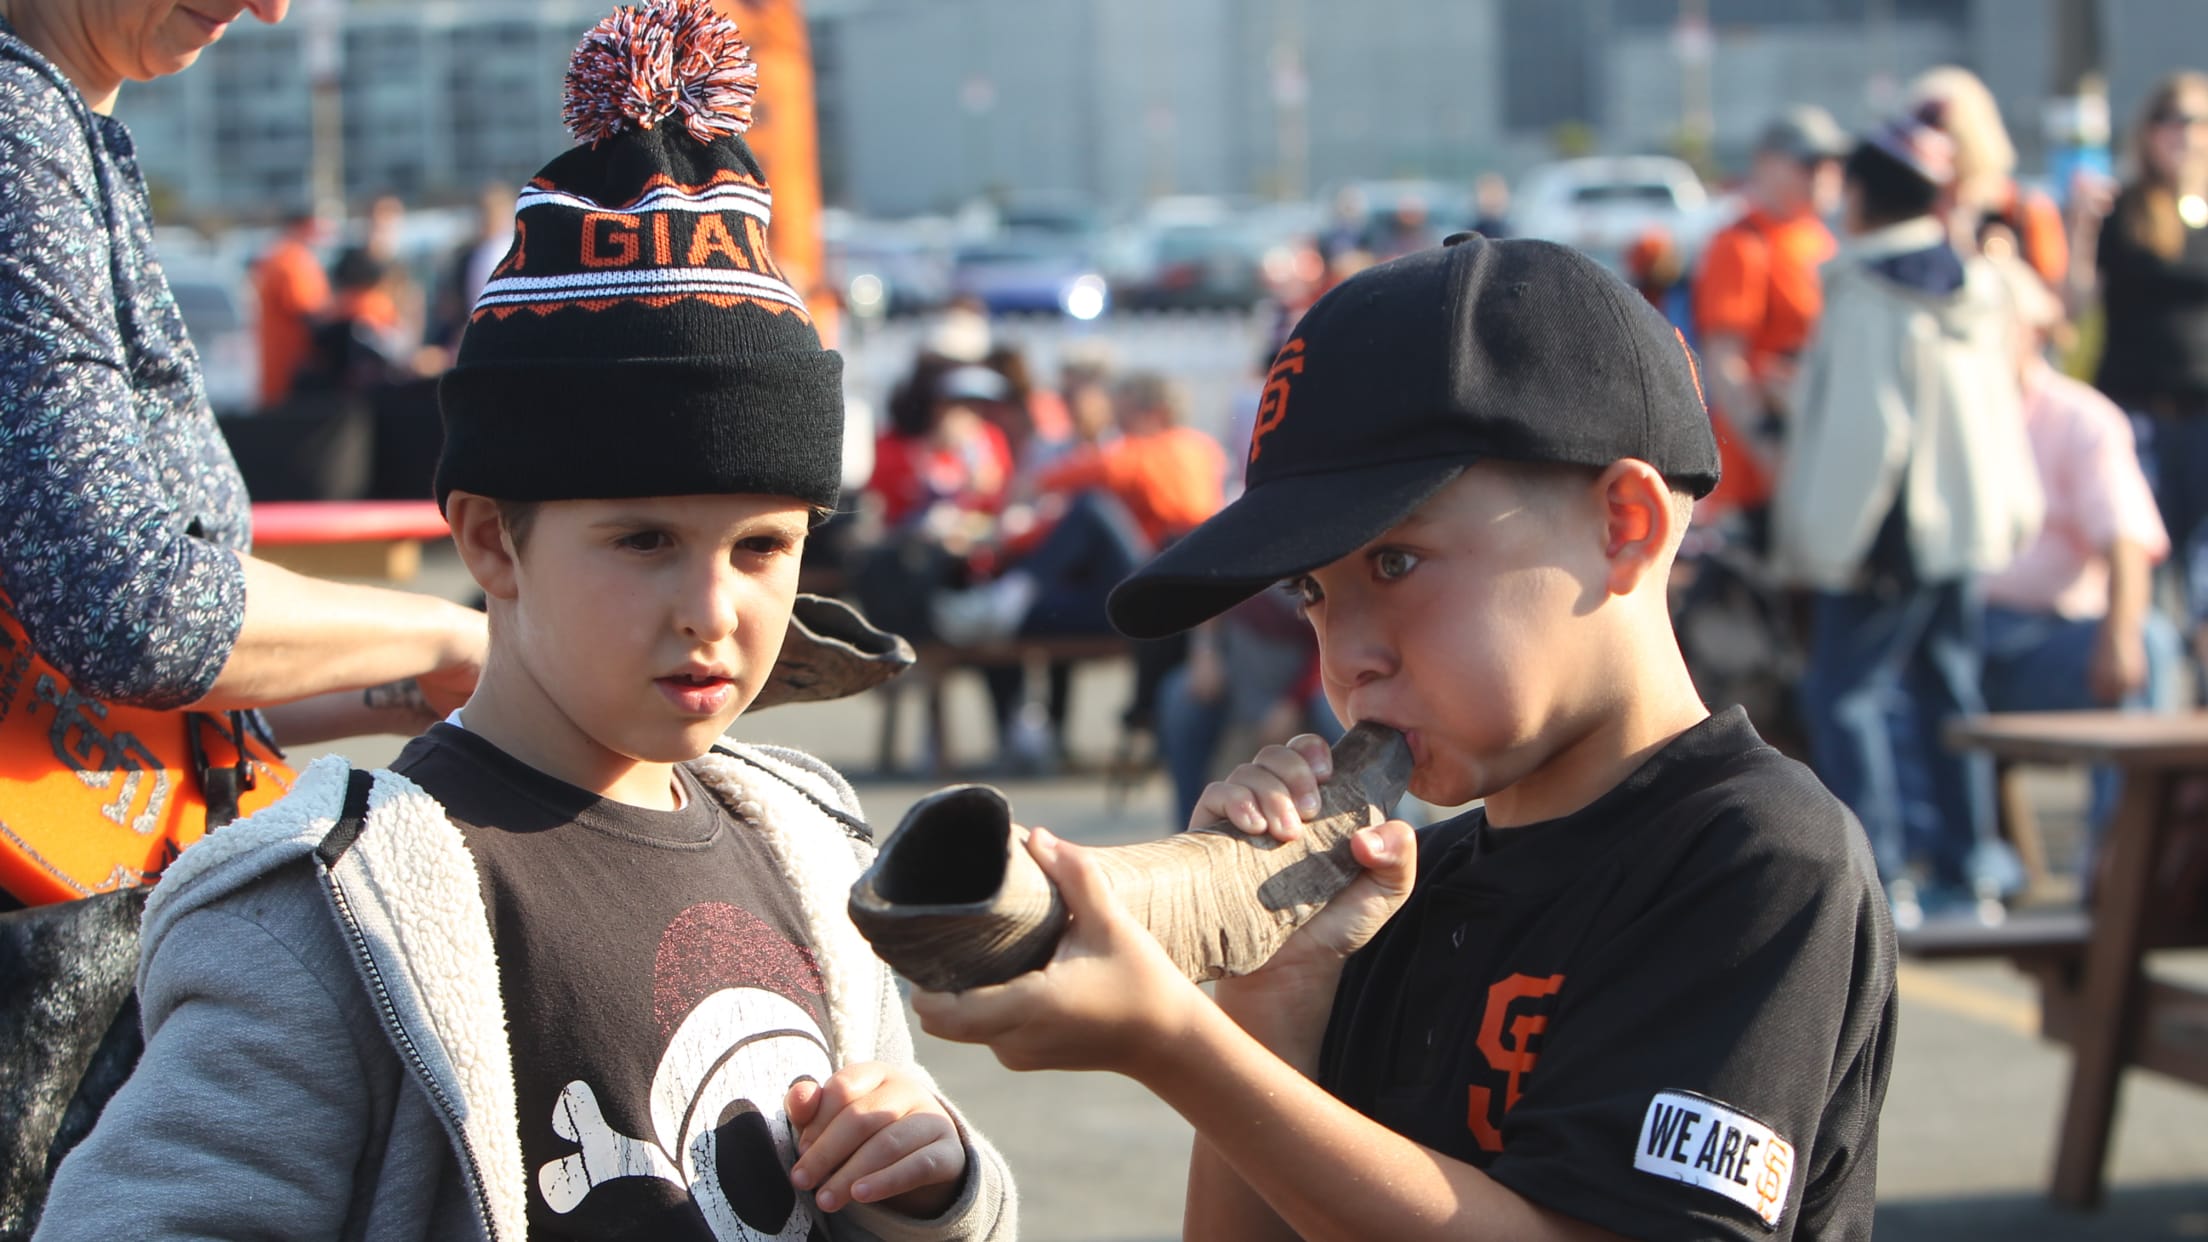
(643, 540)
(1393, 563)
(1303, 589)
(766, 545)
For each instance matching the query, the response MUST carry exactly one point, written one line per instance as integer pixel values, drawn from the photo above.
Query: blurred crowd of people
(364, 320)
(1962, 424)
(1933, 511)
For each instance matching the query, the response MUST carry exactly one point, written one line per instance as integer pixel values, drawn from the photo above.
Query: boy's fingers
(803, 1103)
(899, 1140)
(1315, 752)
(1087, 894)
(1226, 802)
(843, 1088)
(975, 1016)
(1297, 774)
(828, 1150)
(935, 1163)
(1276, 802)
(1389, 853)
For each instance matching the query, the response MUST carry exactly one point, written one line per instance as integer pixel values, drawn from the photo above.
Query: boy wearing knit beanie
(576, 965)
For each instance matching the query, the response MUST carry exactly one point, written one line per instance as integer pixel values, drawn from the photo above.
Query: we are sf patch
(1697, 1140)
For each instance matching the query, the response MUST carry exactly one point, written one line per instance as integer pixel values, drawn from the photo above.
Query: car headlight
(1084, 297)
(866, 293)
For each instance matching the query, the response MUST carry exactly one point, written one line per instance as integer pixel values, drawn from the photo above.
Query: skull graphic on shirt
(719, 1092)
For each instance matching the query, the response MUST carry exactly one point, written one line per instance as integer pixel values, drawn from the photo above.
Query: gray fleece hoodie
(326, 1050)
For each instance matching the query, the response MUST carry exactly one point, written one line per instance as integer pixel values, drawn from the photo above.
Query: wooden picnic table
(2102, 1002)
(379, 539)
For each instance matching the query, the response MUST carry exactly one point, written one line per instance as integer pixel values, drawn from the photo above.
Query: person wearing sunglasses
(2153, 282)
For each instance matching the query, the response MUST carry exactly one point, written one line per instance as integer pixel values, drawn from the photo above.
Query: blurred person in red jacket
(939, 451)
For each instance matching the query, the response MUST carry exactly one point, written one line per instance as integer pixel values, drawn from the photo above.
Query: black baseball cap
(1408, 372)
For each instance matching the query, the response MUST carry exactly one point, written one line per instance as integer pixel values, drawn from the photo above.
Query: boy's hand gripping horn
(954, 901)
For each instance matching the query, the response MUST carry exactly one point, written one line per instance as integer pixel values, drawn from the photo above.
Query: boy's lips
(697, 694)
(1410, 737)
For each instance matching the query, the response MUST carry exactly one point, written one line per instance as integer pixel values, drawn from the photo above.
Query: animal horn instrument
(954, 901)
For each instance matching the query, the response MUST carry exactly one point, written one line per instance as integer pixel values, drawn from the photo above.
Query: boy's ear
(485, 547)
(1640, 524)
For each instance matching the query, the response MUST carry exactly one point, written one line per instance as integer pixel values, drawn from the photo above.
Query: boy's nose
(1353, 649)
(269, 11)
(709, 607)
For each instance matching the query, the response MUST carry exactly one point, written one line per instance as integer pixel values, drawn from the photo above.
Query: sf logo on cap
(1272, 404)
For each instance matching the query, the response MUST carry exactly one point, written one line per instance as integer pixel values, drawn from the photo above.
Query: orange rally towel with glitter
(97, 796)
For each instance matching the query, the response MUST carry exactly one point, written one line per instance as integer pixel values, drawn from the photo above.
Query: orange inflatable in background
(785, 136)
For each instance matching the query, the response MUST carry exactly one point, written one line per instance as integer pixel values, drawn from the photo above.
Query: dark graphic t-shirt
(660, 1001)
(1669, 1014)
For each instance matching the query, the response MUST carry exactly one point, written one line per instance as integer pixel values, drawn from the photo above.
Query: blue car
(1031, 275)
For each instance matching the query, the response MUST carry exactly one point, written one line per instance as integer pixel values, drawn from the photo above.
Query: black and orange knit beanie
(638, 338)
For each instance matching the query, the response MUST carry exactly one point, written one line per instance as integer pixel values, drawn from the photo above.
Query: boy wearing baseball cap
(577, 965)
(1645, 990)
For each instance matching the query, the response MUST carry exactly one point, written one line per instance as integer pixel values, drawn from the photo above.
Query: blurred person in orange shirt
(1101, 510)
(1168, 475)
(1756, 297)
(293, 292)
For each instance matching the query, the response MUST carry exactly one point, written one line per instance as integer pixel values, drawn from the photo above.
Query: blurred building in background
(925, 104)
(437, 96)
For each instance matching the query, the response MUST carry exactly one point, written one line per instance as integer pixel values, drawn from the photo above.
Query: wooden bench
(376, 539)
(938, 661)
(2098, 996)
(2028, 939)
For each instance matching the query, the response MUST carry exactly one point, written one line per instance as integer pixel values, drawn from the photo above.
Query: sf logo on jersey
(1518, 1009)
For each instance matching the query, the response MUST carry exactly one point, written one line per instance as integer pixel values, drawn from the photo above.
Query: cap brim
(1284, 527)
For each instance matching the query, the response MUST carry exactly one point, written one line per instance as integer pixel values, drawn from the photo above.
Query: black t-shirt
(2157, 335)
(1669, 1014)
(660, 1000)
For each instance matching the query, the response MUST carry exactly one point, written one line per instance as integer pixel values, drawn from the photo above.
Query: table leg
(2110, 986)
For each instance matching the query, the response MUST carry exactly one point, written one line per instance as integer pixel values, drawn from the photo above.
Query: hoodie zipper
(405, 1041)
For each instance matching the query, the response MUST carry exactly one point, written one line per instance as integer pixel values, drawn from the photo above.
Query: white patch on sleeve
(1697, 1140)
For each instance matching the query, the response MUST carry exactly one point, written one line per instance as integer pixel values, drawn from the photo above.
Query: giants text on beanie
(638, 339)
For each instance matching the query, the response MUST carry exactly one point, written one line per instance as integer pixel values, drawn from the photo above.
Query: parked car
(217, 302)
(1200, 266)
(1060, 215)
(883, 274)
(1600, 204)
(1030, 274)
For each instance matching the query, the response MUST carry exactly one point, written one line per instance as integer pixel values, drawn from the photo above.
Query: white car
(1601, 204)
(217, 301)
